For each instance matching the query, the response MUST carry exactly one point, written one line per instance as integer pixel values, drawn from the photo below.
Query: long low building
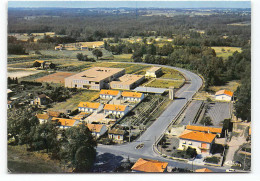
(119, 110)
(95, 78)
(127, 82)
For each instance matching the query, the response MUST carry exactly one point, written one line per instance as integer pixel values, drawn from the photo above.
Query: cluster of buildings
(80, 46)
(96, 114)
(98, 78)
(199, 137)
(154, 166)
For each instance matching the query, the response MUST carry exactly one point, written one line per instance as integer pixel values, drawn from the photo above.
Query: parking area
(191, 112)
(218, 111)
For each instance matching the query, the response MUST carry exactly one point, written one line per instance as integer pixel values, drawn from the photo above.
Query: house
(127, 82)
(116, 134)
(201, 141)
(43, 118)
(109, 94)
(203, 170)
(132, 96)
(41, 100)
(147, 165)
(64, 123)
(224, 95)
(54, 113)
(153, 72)
(205, 129)
(118, 110)
(90, 107)
(95, 78)
(97, 129)
(81, 116)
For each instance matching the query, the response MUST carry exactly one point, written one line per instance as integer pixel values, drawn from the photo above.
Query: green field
(171, 74)
(123, 58)
(72, 103)
(225, 52)
(159, 83)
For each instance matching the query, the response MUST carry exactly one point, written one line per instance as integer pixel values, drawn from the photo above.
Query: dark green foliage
(97, 53)
(78, 148)
(206, 121)
(191, 152)
(213, 159)
(36, 64)
(17, 49)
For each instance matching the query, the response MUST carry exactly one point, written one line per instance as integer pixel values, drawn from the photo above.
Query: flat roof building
(127, 82)
(153, 72)
(94, 79)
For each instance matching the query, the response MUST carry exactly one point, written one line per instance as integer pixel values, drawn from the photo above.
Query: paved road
(149, 137)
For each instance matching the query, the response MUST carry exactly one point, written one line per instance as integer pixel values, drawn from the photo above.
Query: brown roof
(116, 131)
(203, 170)
(42, 96)
(96, 74)
(226, 92)
(204, 128)
(198, 136)
(54, 113)
(146, 165)
(128, 79)
(64, 122)
(43, 116)
(95, 127)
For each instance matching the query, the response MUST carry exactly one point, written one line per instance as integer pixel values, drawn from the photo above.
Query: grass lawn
(123, 58)
(159, 83)
(72, 103)
(171, 74)
(225, 52)
(22, 161)
(232, 86)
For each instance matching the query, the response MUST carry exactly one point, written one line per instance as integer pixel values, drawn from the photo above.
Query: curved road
(149, 137)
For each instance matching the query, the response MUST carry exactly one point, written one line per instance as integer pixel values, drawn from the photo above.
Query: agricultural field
(160, 83)
(72, 103)
(123, 58)
(225, 52)
(33, 77)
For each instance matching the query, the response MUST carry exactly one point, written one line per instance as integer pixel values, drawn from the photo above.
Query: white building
(132, 96)
(118, 110)
(109, 94)
(201, 141)
(153, 72)
(224, 95)
(97, 129)
(90, 107)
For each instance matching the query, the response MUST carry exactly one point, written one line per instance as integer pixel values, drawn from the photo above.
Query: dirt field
(21, 73)
(55, 78)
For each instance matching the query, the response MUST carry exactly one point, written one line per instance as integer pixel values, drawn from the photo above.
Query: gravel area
(218, 112)
(191, 112)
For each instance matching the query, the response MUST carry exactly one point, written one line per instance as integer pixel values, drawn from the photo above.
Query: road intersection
(152, 134)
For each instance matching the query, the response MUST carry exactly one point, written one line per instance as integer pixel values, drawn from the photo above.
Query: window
(190, 143)
(184, 142)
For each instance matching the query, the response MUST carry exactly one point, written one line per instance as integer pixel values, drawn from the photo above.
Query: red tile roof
(198, 136)
(226, 92)
(95, 127)
(203, 170)
(146, 165)
(109, 92)
(113, 107)
(43, 116)
(204, 129)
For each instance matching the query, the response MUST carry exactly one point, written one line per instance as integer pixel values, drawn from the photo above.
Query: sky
(132, 4)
